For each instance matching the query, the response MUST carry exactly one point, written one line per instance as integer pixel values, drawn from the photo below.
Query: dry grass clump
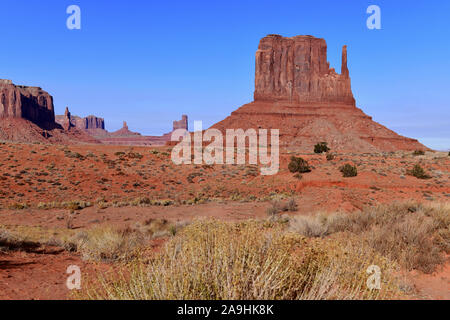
(249, 260)
(69, 205)
(413, 234)
(10, 241)
(278, 206)
(108, 244)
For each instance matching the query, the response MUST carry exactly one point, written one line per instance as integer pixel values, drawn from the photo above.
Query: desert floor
(48, 192)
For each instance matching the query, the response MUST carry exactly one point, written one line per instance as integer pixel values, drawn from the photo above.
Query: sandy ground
(111, 178)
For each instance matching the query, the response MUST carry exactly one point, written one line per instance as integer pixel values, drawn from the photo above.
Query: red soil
(30, 174)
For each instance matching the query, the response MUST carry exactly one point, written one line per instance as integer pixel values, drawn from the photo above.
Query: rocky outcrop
(30, 103)
(298, 93)
(296, 70)
(27, 115)
(88, 123)
(126, 137)
(93, 122)
(95, 127)
(181, 124)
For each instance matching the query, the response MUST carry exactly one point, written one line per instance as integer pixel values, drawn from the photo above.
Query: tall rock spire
(344, 68)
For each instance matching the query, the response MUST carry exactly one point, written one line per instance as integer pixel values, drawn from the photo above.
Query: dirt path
(36, 276)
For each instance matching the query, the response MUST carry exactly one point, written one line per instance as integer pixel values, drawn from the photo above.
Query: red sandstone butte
(298, 93)
(88, 123)
(27, 115)
(95, 127)
(30, 103)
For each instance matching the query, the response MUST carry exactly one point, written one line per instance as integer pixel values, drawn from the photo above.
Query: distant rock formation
(88, 123)
(181, 124)
(124, 132)
(30, 103)
(95, 127)
(126, 137)
(27, 115)
(298, 93)
(93, 122)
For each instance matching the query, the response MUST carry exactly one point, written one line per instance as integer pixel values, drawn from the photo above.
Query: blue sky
(148, 62)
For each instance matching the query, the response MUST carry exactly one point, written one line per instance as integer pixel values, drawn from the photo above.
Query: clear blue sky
(148, 62)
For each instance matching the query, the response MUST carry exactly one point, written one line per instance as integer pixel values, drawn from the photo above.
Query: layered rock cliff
(27, 115)
(296, 70)
(30, 103)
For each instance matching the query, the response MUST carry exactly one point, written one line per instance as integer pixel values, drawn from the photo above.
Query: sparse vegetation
(414, 235)
(321, 147)
(69, 205)
(418, 153)
(348, 171)
(331, 156)
(278, 206)
(250, 260)
(108, 244)
(418, 172)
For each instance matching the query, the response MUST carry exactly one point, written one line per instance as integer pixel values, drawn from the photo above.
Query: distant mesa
(89, 123)
(297, 92)
(30, 103)
(95, 126)
(181, 124)
(27, 115)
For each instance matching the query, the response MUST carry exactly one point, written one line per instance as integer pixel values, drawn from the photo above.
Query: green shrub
(418, 153)
(299, 165)
(321, 147)
(330, 156)
(418, 172)
(348, 171)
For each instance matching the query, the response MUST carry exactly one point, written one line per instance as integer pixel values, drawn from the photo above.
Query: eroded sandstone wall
(31, 103)
(296, 70)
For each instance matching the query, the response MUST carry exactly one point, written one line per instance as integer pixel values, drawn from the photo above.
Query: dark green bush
(298, 165)
(418, 172)
(330, 156)
(321, 147)
(418, 153)
(348, 171)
